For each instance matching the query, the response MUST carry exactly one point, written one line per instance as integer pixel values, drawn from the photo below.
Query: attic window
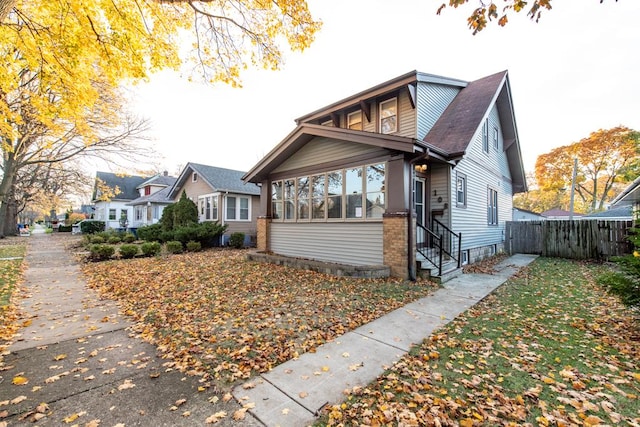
(389, 116)
(194, 177)
(354, 120)
(485, 136)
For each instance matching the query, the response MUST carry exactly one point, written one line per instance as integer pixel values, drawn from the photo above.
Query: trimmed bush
(209, 233)
(114, 240)
(91, 227)
(174, 247)
(129, 238)
(150, 233)
(151, 248)
(236, 240)
(185, 234)
(101, 252)
(64, 228)
(96, 239)
(128, 251)
(194, 246)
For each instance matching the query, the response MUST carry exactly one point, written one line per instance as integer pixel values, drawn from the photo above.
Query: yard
(215, 312)
(547, 348)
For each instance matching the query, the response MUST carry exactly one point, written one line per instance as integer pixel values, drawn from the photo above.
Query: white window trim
(496, 138)
(388, 101)
(203, 199)
(485, 136)
(463, 177)
(194, 177)
(490, 201)
(237, 218)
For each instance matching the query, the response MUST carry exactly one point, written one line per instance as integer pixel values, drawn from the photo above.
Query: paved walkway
(82, 364)
(293, 393)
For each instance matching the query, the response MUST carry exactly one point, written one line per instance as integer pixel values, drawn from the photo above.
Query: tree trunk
(7, 224)
(5, 8)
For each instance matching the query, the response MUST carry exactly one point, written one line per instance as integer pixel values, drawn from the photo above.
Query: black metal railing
(429, 245)
(438, 244)
(451, 242)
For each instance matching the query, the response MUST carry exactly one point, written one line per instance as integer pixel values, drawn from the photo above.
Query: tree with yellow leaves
(61, 64)
(604, 158)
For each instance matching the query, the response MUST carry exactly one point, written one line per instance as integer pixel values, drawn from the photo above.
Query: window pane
(231, 208)
(334, 183)
(375, 177)
(112, 214)
(388, 116)
(244, 208)
(303, 197)
(214, 208)
(276, 210)
(375, 205)
(353, 180)
(276, 190)
(318, 206)
(354, 120)
(207, 211)
(334, 205)
(289, 199)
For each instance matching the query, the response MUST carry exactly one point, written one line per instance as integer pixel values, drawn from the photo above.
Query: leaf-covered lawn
(10, 275)
(550, 347)
(216, 312)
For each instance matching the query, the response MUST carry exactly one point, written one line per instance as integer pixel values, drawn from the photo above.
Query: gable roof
(127, 184)
(629, 195)
(304, 132)
(219, 179)
(159, 180)
(464, 116)
(159, 197)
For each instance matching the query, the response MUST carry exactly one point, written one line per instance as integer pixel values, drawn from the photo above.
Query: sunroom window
(354, 120)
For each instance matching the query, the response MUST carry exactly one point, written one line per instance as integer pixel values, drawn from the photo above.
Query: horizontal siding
(322, 150)
(346, 243)
(439, 192)
(406, 116)
(432, 100)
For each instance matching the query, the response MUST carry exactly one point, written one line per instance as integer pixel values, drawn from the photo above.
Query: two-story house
(411, 173)
(111, 193)
(153, 198)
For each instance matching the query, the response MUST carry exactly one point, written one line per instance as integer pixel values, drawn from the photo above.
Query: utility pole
(573, 187)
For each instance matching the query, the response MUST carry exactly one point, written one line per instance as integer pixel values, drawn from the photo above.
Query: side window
(194, 177)
(231, 207)
(492, 207)
(112, 214)
(389, 116)
(461, 190)
(485, 136)
(495, 138)
(276, 199)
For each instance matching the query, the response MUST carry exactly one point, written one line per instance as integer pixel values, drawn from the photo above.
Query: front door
(419, 200)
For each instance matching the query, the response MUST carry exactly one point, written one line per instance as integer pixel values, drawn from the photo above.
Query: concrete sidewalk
(293, 393)
(81, 363)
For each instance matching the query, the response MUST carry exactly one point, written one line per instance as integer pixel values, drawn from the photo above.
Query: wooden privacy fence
(577, 239)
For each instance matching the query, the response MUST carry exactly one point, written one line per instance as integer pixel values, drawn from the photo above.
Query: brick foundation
(395, 244)
(264, 225)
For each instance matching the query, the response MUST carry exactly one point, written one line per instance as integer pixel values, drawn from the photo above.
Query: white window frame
(213, 207)
(354, 120)
(113, 217)
(492, 206)
(194, 177)
(461, 178)
(364, 194)
(383, 104)
(485, 136)
(237, 208)
(496, 138)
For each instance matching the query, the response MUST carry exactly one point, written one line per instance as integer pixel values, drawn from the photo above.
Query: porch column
(264, 228)
(395, 235)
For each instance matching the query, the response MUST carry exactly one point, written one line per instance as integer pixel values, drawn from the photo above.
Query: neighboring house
(619, 213)
(364, 181)
(220, 196)
(525, 215)
(111, 193)
(629, 196)
(556, 213)
(153, 198)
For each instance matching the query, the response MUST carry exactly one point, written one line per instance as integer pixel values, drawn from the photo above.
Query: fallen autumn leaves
(217, 314)
(547, 348)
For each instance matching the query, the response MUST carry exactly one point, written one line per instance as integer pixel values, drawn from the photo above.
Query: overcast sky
(576, 71)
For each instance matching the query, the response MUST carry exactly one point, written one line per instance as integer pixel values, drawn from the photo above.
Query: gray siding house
(153, 198)
(111, 195)
(221, 196)
(412, 173)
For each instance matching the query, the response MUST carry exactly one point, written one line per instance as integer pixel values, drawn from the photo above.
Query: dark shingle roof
(127, 184)
(455, 128)
(159, 180)
(617, 212)
(219, 179)
(160, 196)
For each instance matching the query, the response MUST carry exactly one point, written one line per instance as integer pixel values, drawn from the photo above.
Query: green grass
(550, 347)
